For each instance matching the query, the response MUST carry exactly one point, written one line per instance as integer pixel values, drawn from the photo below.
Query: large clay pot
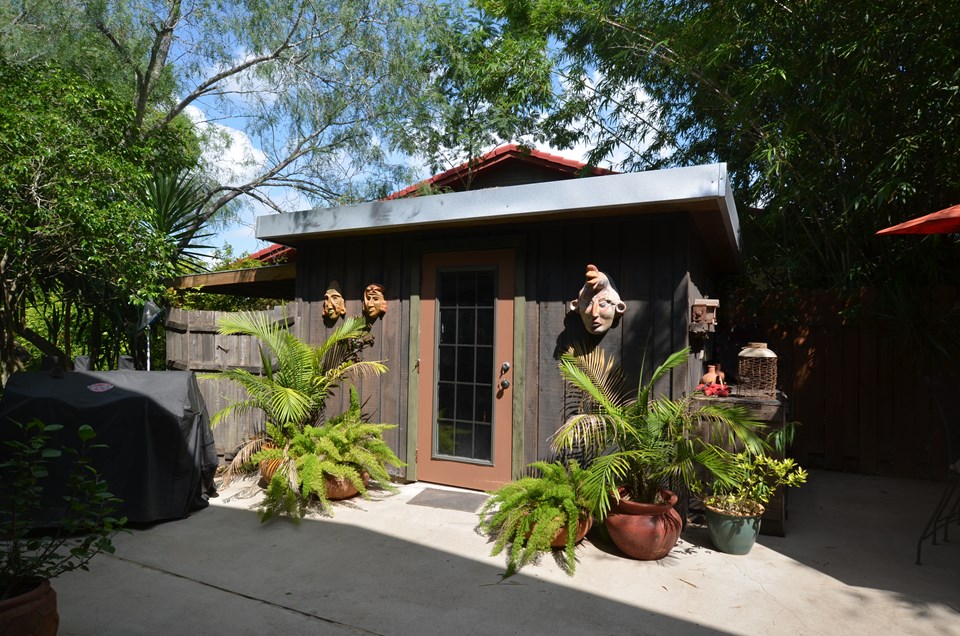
(342, 488)
(34, 612)
(583, 527)
(267, 469)
(733, 534)
(645, 531)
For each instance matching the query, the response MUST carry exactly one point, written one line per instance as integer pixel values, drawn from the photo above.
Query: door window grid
(464, 396)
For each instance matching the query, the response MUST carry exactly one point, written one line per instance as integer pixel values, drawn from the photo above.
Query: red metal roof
(271, 254)
(457, 175)
(497, 155)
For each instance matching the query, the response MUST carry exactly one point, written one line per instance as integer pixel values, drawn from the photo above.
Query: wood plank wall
(194, 344)
(647, 258)
(354, 264)
(857, 392)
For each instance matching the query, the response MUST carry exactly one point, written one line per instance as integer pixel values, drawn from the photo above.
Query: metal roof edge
(669, 186)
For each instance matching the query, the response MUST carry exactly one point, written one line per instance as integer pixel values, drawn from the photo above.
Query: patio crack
(329, 621)
(797, 616)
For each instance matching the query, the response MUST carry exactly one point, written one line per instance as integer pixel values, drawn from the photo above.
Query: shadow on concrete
(221, 570)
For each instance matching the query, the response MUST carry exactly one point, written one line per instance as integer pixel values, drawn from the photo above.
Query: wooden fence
(194, 344)
(860, 385)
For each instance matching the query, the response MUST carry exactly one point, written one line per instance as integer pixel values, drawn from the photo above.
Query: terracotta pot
(711, 375)
(342, 488)
(336, 488)
(34, 612)
(267, 469)
(645, 531)
(583, 527)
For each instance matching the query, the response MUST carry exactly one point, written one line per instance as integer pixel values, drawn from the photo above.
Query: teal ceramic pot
(732, 534)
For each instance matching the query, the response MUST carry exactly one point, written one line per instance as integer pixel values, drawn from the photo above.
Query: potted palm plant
(734, 507)
(292, 392)
(538, 513)
(31, 557)
(644, 445)
(333, 460)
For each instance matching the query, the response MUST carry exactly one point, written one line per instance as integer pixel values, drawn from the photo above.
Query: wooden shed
(478, 285)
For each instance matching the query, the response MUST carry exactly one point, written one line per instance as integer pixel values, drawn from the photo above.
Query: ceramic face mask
(374, 304)
(598, 303)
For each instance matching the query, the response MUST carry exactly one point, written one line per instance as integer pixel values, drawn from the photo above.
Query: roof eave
(702, 190)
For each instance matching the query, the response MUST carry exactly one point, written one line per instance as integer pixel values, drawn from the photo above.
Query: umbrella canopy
(942, 222)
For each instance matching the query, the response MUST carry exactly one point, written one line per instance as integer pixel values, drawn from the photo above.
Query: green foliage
(486, 89)
(71, 233)
(642, 442)
(86, 525)
(174, 206)
(527, 514)
(346, 447)
(297, 380)
(755, 479)
(316, 83)
(836, 118)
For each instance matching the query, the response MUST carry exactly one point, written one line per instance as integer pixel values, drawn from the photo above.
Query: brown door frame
(450, 471)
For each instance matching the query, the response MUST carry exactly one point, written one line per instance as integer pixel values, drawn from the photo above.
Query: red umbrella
(942, 222)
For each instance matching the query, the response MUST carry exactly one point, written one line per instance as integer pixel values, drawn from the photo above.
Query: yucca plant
(346, 447)
(641, 443)
(528, 513)
(297, 379)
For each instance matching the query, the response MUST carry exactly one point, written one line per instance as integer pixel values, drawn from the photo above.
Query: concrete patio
(387, 566)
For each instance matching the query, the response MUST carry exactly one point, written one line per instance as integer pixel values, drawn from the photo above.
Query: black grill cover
(159, 458)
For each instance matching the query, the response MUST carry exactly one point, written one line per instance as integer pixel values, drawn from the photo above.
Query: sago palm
(642, 443)
(297, 377)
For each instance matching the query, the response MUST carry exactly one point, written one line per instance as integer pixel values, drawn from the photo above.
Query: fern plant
(346, 447)
(641, 443)
(527, 514)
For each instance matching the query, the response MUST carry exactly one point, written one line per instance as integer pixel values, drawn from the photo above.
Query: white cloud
(229, 155)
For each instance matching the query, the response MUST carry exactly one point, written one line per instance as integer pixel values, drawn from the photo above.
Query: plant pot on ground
(537, 514)
(335, 460)
(640, 444)
(735, 505)
(30, 557)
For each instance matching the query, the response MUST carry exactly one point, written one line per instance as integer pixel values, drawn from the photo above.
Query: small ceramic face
(374, 304)
(333, 305)
(598, 303)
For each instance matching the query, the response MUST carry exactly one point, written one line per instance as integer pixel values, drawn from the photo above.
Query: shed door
(465, 415)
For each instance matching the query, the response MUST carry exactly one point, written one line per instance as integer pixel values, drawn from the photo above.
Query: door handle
(504, 368)
(504, 384)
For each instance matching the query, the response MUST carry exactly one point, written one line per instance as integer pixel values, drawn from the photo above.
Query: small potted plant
(537, 514)
(735, 505)
(31, 557)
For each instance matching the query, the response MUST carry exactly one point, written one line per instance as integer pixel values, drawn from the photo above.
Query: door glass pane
(445, 437)
(465, 373)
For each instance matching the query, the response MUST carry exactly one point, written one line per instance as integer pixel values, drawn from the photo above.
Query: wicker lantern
(757, 371)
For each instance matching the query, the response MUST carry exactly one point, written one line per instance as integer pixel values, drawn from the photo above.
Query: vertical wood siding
(647, 258)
